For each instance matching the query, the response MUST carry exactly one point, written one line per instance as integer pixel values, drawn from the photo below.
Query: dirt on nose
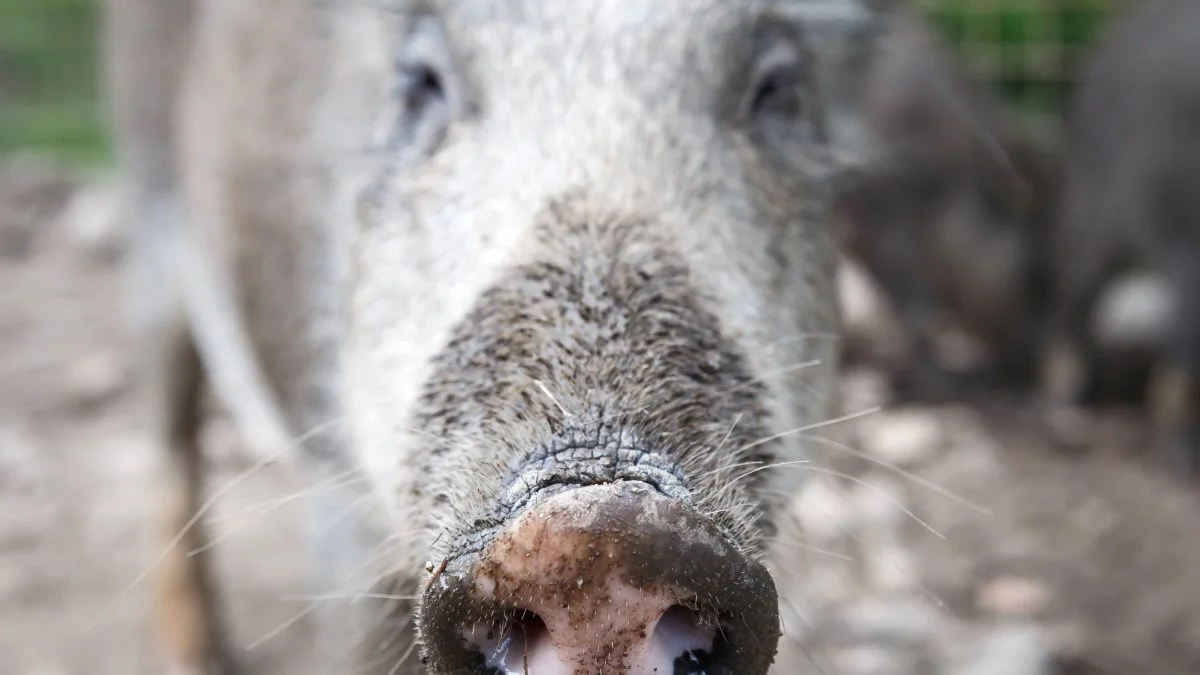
(612, 578)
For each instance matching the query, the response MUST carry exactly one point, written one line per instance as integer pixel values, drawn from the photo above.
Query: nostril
(684, 638)
(602, 579)
(517, 645)
(521, 644)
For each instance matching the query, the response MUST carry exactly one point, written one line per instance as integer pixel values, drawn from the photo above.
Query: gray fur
(601, 244)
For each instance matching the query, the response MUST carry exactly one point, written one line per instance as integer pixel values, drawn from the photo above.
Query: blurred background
(1013, 556)
(48, 80)
(1026, 49)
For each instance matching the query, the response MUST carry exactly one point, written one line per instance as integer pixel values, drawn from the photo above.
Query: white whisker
(808, 427)
(204, 508)
(890, 498)
(546, 390)
(282, 627)
(924, 482)
(339, 596)
(263, 508)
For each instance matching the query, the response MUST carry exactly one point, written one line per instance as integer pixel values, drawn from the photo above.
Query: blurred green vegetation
(49, 91)
(1027, 49)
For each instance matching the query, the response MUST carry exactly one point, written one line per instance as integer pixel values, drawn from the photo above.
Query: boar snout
(615, 577)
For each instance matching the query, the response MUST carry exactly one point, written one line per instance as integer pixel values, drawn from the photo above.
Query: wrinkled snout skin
(569, 269)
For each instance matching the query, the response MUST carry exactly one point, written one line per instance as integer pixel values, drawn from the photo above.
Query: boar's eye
(421, 90)
(779, 86)
(780, 103)
(426, 90)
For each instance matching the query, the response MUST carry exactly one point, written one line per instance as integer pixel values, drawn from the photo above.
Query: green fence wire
(49, 94)
(1029, 50)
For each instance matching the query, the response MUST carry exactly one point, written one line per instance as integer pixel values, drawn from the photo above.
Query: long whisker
(355, 596)
(546, 390)
(263, 508)
(208, 504)
(924, 482)
(282, 627)
(890, 498)
(808, 427)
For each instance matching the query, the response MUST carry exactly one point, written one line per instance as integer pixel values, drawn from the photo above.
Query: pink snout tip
(604, 579)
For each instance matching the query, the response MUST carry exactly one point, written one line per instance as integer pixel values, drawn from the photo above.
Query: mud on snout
(616, 535)
(614, 577)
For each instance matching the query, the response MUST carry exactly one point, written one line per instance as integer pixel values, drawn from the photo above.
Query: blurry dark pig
(545, 288)
(952, 219)
(1130, 195)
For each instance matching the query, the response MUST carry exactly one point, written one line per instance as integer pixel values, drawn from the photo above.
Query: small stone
(866, 315)
(1133, 311)
(1097, 516)
(33, 500)
(861, 303)
(94, 220)
(891, 569)
(1069, 425)
(957, 351)
(872, 660)
(21, 463)
(1068, 638)
(32, 190)
(96, 379)
(833, 581)
(129, 455)
(1013, 596)
(47, 669)
(863, 389)
(1018, 649)
(904, 618)
(12, 579)
(16, 236)
(903, 438)
(222, 444)
(823, 512)
(879, 502)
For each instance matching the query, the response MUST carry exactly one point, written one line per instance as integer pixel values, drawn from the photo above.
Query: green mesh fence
(1028, 50)
(49, 99)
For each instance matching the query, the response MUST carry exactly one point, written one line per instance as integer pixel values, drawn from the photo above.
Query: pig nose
(598, 580)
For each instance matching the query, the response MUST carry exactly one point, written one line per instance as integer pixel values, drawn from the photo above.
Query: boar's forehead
(680, 43)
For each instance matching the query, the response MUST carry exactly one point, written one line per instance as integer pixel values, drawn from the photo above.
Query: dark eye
(424, 90)
(420, 88)
(778, 93)
(781, 106)
(780, 83)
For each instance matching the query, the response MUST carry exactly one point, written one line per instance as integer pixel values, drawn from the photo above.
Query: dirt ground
(1099, 553)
